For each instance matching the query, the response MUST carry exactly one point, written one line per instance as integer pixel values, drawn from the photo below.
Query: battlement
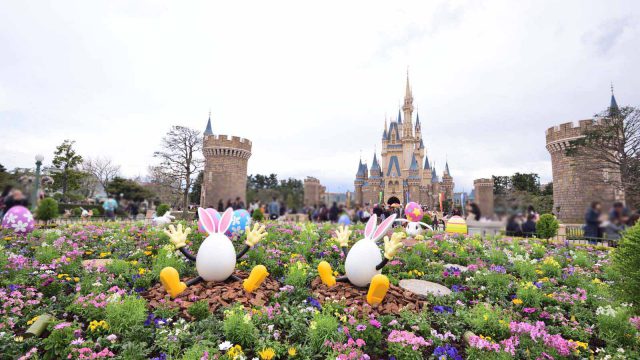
(483, 182)
(570, 130)
(311, 179)
(223, 141)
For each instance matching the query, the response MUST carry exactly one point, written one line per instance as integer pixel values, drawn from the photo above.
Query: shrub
(626, 263)
(77, 212)
(297, 275)
(257, 215)
(547, 226)
(162, 209)
(322, 328)
(489, 321)
(426, 218)
(127, 315)
(47, 209)
(199, 310)
(239, 329)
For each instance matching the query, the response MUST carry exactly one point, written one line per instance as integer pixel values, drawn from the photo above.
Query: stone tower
(483, 190)
(447, 183)
(574, 185)
(313, 191)
(225, 169)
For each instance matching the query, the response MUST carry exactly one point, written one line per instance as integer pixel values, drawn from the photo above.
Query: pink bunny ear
(384, 226)
(207, 221)
(225, 221)
(371, 226)
(215, 215)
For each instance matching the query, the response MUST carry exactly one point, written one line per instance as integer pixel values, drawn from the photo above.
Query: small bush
(127, 315)
(199, 310)
(239, 329)
(547, 226)
(426, 218)
(77, 212)
(626, 265)
(257, 215)
(323, 328)
(162, 209)
(47, 209)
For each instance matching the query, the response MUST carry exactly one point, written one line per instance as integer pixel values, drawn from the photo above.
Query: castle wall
(483, 189)
(313, 191)
(225, 170)
(575, 182)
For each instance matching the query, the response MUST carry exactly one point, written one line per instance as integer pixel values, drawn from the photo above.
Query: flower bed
(511, 298)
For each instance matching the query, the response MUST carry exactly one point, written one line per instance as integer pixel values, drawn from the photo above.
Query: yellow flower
(517, 301)
(148, 253)
(596, 281)
(235, 352)
(142, 271)
(32, 320)
(292, 352)
(76, 279)
(267, 354)
(134, 262)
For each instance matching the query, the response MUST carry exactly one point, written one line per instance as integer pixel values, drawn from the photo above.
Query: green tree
(626, 262)
(196, 189)
(547, 226)
(526, 182)
(47, 209)
(66, 161)
(129, 189)
(501, 184)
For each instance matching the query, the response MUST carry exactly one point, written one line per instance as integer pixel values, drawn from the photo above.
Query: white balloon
(216, 258)
(361, 262)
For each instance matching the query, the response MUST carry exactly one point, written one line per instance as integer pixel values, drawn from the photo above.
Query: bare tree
(180, 159)
(102, 169)
(164, 185)
(611, 150)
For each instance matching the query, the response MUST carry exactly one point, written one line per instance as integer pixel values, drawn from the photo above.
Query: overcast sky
(310, 83)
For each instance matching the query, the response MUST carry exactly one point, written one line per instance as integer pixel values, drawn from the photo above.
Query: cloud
(608, 33)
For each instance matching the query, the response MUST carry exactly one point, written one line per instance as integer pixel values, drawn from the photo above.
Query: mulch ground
(350, 295)
(219, 294)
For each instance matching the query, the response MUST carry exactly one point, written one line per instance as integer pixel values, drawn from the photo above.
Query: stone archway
(393, 200)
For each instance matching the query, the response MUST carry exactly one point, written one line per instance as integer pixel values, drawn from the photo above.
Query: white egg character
(363, 264)
(414, 228)
(216, 258)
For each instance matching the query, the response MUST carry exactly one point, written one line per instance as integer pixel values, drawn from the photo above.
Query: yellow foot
(257, 276)
(377, 289)
(326, 274)
(170, 279)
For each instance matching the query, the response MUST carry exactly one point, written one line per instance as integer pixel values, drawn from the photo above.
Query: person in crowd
(434, 222)
(532, 211)
(473, 211)
(377, 209)
(324, 213)
(618, 219)
(110, 205)
(229, 204)
(619, 213)
(220, 206)
(283, 208)
(133, 209)
(592, 221)
(334, 212)
(239, 203)
(514, 226)
(529, 226)
(3, 196)
(274, 209)
(15, 198)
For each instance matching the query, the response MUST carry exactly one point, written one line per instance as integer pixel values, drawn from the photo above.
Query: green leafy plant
(238, 328)
(127, 315)
(162, 209)
(199, 310)
(486, 320)
(547, 226)
(322, 328)
(626, 263)
(47, 209)
(257, 215)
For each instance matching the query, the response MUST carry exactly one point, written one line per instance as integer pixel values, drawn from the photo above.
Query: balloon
(413, 212)
(20, 219)
(241, 219)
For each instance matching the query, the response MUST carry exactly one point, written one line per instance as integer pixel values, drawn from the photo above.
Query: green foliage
(530, 295)
(614, 326)
(626, 263)
(525, 270)
(486, 320)
(56, 343)
(199, 310)
(264, 187)
(323, 328)
(238, 328)
(257, 215)
(66, 160)
(297, 275)
(46, 253)
(426, 218)
(196, 189)
(162, 209)
(127, 315)
(130, 190)
(47, 209)
(135, 350)
(547, 226)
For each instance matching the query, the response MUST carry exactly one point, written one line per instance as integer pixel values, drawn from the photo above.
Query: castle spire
(613, 106)
(208, 130)
(446, 168)
(426, 162)
(407, 90)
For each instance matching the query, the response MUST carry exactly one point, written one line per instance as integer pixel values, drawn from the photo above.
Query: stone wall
(483, 189)
(576, 185)
(313, 191)
(225, 170)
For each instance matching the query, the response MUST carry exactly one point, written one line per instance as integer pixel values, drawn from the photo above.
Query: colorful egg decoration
(456, 225)
(413, 212)
(241, 219)
(20, 219)
(214, 214)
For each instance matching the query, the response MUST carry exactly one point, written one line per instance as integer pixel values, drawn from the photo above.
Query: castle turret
(358, 183)
(225, 169)
(407, 108)
(447, 182)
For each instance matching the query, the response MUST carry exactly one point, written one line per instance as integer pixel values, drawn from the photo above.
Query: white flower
(19, 226)
(28, 216)
(225, 346)
(11, 218)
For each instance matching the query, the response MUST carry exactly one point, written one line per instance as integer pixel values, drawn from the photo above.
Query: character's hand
(392, 246)
(178, 237)
(342, 235)
(255, 235)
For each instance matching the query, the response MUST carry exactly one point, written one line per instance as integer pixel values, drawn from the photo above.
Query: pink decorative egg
(413, 212)
(20, 219)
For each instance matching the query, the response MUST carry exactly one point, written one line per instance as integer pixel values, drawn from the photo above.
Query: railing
(575, 234)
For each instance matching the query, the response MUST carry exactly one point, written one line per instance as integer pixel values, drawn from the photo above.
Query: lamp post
(36, 182)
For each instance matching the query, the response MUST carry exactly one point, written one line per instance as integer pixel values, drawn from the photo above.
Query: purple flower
(315, 303)
(361, 327)
(439, 309)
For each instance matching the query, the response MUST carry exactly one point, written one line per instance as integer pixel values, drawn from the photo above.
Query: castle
(404, 172)
(576, 185)
(225, 169)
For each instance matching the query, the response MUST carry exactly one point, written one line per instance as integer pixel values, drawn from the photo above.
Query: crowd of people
(610, 226)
